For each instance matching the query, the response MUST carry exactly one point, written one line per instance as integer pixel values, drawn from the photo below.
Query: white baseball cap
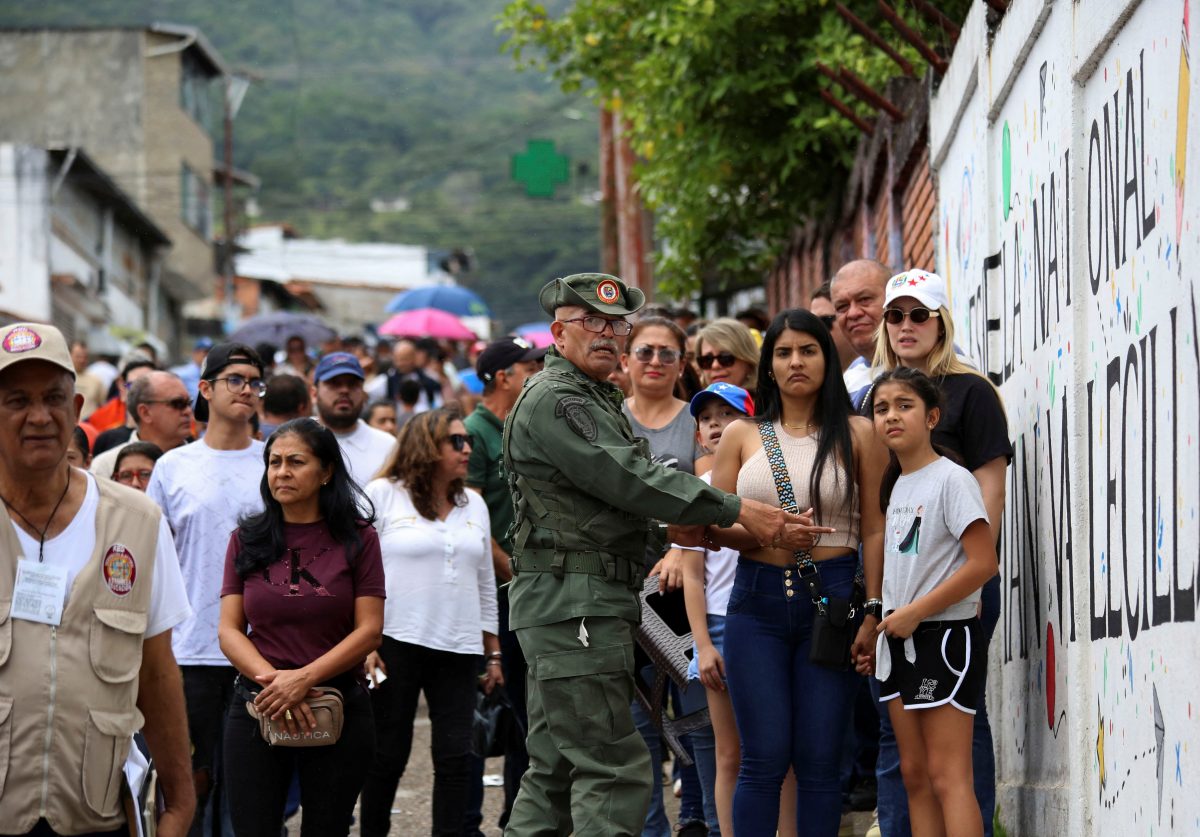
(927, 288)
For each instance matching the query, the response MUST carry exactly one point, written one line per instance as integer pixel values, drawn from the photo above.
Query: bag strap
(805, 566)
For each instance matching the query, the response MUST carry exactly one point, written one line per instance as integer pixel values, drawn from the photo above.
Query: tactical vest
(68, 694)
(558, 528)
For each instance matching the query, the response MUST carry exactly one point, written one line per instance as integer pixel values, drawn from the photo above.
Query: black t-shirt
(973, 424)
(110, 439)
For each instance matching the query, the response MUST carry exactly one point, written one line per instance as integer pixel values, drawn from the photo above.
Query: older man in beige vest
(89, 591)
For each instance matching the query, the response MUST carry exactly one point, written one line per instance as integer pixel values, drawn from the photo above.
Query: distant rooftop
(194, 38)
(273, 253)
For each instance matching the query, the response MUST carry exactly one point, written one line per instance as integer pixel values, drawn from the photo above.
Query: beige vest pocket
(116, 644)
(105, 748)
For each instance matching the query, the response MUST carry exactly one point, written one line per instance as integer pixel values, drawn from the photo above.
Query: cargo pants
(589, 770)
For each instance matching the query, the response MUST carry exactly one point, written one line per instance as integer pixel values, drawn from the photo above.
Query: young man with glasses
(203, 489)
(586, 493)
(162, 415)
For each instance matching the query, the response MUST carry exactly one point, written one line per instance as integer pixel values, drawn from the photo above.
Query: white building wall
(1069, 234)
(24, 229)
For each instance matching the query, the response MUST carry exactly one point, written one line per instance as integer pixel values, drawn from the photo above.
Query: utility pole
(227, 255)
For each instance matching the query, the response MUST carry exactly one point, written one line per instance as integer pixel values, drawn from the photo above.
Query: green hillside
(362, 100)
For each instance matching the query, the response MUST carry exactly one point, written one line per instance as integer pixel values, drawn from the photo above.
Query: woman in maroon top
(305, 577)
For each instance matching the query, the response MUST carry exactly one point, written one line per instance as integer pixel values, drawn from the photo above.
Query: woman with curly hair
(440, 615)
(305, 577)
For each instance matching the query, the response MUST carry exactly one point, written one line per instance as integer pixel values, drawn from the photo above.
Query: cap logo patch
(608, 292)
(21, 339)
(119, 569)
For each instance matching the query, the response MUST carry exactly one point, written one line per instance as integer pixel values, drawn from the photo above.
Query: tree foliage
(723, 105)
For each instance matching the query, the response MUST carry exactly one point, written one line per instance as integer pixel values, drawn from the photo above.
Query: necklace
(797, 426)
(42, 532)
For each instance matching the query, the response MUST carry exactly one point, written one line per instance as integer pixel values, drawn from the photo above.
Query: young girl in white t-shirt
(707, 582)
(938, 552)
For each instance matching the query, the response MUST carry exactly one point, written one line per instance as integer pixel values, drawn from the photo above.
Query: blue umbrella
(449, 298)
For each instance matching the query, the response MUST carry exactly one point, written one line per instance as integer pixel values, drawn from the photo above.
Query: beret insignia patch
(574, 409)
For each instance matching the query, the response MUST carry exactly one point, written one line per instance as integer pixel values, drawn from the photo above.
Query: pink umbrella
(427, 322)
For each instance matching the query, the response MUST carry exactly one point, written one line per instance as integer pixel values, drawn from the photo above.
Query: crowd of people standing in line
(346, 521)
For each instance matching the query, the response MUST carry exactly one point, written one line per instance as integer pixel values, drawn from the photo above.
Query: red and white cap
(927, 288)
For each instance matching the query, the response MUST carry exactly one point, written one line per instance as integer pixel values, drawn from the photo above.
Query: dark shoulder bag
(833, 622)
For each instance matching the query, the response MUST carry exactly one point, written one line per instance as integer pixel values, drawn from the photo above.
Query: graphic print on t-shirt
(297, 572)
(904, 530)
(910, 545)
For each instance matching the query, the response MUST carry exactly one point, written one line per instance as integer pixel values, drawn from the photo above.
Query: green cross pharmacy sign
(540, 168)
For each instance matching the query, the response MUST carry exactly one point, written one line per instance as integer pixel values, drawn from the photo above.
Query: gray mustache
(602, 344)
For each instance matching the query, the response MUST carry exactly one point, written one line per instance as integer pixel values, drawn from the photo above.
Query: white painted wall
(24, 229)
(1069, 232)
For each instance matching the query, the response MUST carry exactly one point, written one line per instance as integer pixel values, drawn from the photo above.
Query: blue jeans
(893, 801)
(691, 804)
(790, 712)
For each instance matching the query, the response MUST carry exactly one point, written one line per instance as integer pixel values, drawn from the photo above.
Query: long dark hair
(344, 507)
(925, 388)
(418, 455)
(832, 410)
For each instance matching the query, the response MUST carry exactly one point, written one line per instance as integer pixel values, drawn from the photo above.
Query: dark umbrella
(278, 327)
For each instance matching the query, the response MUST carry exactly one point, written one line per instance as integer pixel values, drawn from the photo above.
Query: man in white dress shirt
(338, 391)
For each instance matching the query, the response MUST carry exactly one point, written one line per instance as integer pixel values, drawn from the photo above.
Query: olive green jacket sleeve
(589, 442)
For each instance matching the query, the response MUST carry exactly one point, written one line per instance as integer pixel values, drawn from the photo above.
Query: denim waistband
(758, 575)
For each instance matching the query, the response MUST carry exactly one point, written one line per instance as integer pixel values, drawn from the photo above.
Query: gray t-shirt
(674, 445)
(928, 512)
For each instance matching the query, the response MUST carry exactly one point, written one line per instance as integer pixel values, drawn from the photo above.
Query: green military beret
(596, 292)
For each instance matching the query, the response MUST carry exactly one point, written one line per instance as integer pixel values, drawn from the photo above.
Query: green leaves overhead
(735, 144)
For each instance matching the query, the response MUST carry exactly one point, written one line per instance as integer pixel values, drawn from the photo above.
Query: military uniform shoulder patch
(575, 410)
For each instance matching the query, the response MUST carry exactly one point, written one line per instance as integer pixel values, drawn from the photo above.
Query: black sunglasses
(458, 441)
(895, 316)
(725, 359)
(179, 404)
(828, 319)
(666, 357)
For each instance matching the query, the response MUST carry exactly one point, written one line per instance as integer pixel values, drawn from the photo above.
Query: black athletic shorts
(947, 668)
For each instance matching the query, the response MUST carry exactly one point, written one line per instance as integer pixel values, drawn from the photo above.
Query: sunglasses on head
(895, 316)
(458, 441)
(666, 357)
(725, 359)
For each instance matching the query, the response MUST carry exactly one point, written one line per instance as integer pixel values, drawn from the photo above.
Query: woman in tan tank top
(791, 712)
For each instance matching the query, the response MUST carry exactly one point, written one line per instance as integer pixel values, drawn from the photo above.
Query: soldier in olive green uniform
(585, 493)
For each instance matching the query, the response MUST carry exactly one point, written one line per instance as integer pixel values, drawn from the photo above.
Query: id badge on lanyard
(39, 592)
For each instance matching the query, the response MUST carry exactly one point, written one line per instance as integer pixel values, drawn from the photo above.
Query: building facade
(143, 104)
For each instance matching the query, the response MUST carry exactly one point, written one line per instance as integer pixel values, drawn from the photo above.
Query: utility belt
(611, 567)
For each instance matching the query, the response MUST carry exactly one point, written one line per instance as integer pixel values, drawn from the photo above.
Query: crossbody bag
(833, 620)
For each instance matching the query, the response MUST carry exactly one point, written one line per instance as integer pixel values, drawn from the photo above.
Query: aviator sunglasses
(724, 359)
(895, 316)
(666, 357)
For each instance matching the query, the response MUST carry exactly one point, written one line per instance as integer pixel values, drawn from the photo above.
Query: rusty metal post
(861, 90)
(913, 37)
(844, 109)
(609, 233)
(934, 15)
(871, 35)
(631, 245)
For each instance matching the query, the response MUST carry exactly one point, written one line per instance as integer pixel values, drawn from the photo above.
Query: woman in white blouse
(440, 615)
